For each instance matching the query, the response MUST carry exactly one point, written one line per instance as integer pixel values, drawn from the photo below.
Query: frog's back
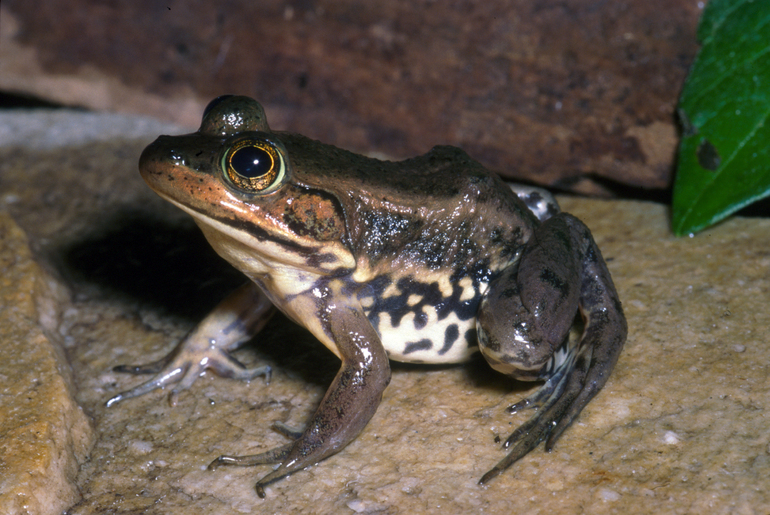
(404, 210)
(429, 234)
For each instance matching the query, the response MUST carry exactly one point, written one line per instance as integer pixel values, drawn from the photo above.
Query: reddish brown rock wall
(557, 92)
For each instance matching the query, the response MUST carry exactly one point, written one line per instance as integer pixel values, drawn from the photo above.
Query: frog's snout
(151, 156)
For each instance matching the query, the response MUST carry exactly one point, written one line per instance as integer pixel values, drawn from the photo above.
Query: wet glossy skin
(425, 260)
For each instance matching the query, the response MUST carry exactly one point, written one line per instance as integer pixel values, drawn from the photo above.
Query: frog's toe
(277, 455)
(556, 372)
(269, 478)
(159, 381)
(272, 456)
(556, 400)
(183, 370)
(225, 365)
(288, 431)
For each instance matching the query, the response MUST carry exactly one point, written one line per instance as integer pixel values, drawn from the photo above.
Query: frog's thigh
(528, 311)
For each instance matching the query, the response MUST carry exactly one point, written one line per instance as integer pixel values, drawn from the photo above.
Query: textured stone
(558, 92)
(681, 427)
(44, 435)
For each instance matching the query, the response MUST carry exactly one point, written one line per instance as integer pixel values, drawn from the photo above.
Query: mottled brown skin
(423, 260)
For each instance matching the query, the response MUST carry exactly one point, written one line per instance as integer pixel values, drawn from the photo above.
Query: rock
(679, 428)
(44, 434)
(560, 93)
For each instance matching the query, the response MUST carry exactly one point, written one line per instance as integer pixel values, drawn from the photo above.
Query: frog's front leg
(235, 320)
(524, 321)
(349, 403)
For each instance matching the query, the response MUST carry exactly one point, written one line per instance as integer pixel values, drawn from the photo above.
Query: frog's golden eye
(254, 166)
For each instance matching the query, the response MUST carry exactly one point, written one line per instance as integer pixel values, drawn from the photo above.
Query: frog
(431, 260)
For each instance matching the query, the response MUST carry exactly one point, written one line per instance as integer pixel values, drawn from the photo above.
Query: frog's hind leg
(524, 321)
(603, 335)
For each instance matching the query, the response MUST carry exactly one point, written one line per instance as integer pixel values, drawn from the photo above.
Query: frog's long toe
(158, 381)
(181, 371)
(553, 400)
(555, 374)
(276, 455)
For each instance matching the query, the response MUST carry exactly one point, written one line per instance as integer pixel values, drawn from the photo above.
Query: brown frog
(426, 260)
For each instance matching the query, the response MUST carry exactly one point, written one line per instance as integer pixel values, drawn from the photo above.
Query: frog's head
(235, 177)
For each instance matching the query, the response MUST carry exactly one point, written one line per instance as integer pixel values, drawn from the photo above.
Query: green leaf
(724, 155)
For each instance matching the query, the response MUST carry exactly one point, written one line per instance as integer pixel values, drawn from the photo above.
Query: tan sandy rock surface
(44, 434)
(681, 427)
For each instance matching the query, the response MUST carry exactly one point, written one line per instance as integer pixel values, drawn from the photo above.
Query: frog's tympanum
(426, 260)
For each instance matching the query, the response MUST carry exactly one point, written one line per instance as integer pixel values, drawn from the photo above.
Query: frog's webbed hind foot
(553, 400)
(565, 393)
(555, 376)
(524, 321)
(234, 321)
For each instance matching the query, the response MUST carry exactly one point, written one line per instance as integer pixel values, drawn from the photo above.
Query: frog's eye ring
(254, 166)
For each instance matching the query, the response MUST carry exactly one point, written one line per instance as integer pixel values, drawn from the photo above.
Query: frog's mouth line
(272, 248)
(230, 225)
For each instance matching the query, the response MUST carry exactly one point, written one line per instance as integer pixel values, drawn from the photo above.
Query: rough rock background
(576, 94)
(44, 434)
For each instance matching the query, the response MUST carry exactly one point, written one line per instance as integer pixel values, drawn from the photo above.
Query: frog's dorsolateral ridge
(426, 260)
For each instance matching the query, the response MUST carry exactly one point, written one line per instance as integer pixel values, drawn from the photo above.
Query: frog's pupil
(251, 162)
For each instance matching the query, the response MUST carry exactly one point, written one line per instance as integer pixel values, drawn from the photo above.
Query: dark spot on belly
(420, 320)
(451, 335)
(471, 338)
(424, 344)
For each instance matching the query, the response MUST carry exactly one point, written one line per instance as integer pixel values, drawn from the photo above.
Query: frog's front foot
(343, 413)
(235, 320)
(183, 366)
(524, 321)
(347, 407)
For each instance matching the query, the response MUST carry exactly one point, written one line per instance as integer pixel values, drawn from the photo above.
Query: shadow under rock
(140, 258)
(136, 257)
